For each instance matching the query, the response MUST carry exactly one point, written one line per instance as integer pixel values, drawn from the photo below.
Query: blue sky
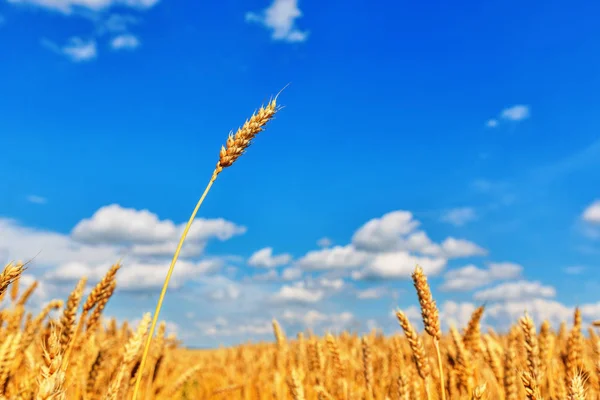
(465, 139)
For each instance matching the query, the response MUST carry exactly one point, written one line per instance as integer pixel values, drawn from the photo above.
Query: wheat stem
(441, 368)
(165, 285)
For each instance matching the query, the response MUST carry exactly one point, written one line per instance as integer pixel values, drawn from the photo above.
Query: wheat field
(67, 352)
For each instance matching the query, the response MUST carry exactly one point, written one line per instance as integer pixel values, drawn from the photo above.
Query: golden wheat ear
(235, 146)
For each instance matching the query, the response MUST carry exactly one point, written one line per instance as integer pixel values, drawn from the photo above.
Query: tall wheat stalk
(235, 146)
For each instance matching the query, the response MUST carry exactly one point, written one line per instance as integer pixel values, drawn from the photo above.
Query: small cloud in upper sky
(324, 242)
(492, 123)
(515, 113)
(280, 18)
(459, 216)
(76, 49)
(592, 213)
(125, 42)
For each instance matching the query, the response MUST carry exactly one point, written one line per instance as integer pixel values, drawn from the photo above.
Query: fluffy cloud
(458, 248)
(505, 314)
(397, 231)
(20, 242)
(372, 293)
(298, 293)
(290, 274)
(592, 213)
(515, 291)
(280, 17)
(69, 6)
(515, 113)
(315, 319)
(125, 41)
(229, 292)
(382, 234)
(114, 224)
(459, 216)
(264, 258)
(136, 276)
(456, 314)
(103, 240)
(331, 284)
(389, 247)
(399, 265)
(470, 277)
(337, 257)
(221, 327)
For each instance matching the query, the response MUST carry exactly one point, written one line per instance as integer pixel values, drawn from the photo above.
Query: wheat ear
(431, 319)
(235, 146)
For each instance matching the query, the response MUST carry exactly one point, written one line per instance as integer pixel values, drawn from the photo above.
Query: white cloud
(136, 276)
(324, 242)
(117, 23)
(298, 294)
(114, 224)
(458, 248)
(515, 113)
(230, 292)
(332, 284)
(396, 231)
(280, 17)
(336, 257)
(76, 49)
(457, 314)
(125, 42)
(313, 319)
(492, 123)
(20, 242)
(372, 293)
(69, 6)
(269, 276)
(399, 265)
(36, 199)
(592, 213)
(63, 259)
(504, 314)
(470, 277)
(264, 258)
(221, 327)
(382, 234)
(292, 273)
(515, 291)
(459, 216)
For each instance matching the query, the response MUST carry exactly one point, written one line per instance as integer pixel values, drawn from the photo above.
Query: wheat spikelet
(131, 351)
(10, 273)
(531, 346)
(576, 388)
(52, 373)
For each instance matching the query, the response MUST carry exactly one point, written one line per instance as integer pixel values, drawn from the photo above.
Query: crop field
(67, 352)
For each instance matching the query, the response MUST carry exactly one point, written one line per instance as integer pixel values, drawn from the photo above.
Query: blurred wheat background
(68, 352)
